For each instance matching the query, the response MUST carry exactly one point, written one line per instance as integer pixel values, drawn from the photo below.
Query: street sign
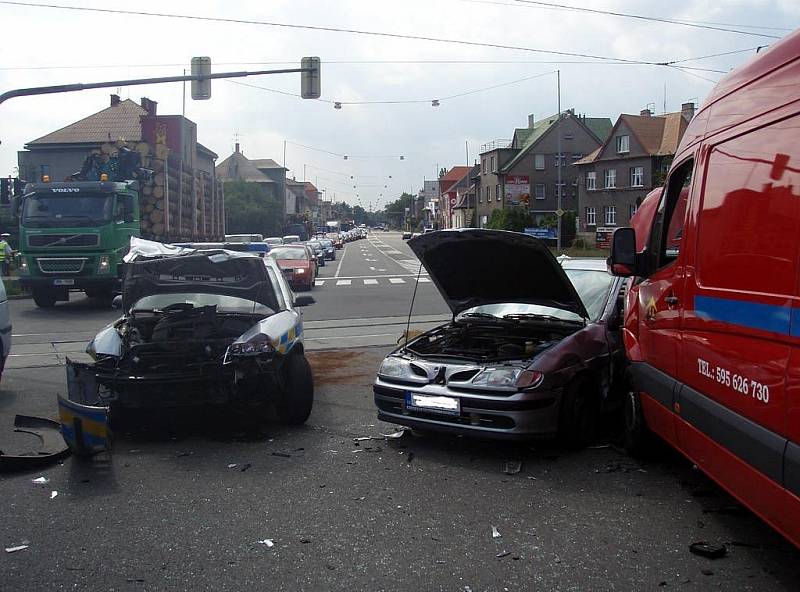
(310, 82)
(201, 89)
(560, 212)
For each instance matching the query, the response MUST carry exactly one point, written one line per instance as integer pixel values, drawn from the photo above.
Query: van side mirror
(116, 303)
(623, 260)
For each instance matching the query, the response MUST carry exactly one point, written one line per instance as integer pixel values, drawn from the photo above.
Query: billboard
(517, 189)
(543, 233)
(603, 236)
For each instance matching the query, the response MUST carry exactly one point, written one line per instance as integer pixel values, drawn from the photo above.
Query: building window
(539, 191)
(611, 178)
(484, 166)
(637, 176)
(480, 196)
(577, 156)
(497, 192)
(591, 217)
(492, 167)
(610, 215)
(44, 169)
(559, 160)
(575, 182)
(538, 162)
(591, 180)
(623, 144)
(631, 210)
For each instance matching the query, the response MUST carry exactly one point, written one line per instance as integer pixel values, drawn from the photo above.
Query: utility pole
(183, 110)
(559, 212)
(466, 147)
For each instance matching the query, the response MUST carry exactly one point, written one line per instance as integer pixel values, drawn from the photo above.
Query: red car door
(659, 301)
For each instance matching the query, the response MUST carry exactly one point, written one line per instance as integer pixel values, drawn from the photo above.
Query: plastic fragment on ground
(495, 533)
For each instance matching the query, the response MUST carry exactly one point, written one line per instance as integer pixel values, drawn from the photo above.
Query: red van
(712, 326)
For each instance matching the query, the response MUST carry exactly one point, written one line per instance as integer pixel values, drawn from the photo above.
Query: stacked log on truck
(178, 204)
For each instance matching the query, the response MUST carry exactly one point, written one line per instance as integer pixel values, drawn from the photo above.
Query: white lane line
(339, 267)
(361, 277)
(397, 281)
(343, 282)
(424, 280)
(370, 282)
(319, 282)
(373, 269)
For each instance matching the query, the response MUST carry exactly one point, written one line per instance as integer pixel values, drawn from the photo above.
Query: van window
(749, 219)
(667, 234)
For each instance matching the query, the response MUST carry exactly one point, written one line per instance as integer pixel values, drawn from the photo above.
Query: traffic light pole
(63, 88)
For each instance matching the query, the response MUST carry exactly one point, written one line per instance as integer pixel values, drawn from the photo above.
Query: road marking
(397, 281)
(370, 282)
(380, 269)
(371, 260)
(424, 280)
(339, 267)
(372, 269)
(319, 282)
(343, 282)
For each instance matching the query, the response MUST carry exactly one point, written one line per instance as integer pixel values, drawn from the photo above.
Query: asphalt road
(168, 511)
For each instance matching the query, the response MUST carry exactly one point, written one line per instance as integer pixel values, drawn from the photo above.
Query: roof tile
(120, 121)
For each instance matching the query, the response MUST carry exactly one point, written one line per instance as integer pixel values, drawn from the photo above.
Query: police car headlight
(392, 367)
(256, 345)
(103, 266)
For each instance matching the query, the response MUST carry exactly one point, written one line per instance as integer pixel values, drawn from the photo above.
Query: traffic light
(201, 89)
(310, 82)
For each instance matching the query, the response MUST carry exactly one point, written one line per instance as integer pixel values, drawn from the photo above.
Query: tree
(251, 208)
(513, 218)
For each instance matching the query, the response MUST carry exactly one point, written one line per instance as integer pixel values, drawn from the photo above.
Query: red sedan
(297, 265)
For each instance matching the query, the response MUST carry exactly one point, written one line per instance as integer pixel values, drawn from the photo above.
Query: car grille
(64, 240)
(61, 265)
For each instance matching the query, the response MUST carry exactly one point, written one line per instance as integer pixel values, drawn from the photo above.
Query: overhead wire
(363, 32)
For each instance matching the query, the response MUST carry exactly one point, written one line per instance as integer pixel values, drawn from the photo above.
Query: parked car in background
(298, 265)
(319, 251)
(712, 324)
(338, 243)
(533, 350)
(210, 327)
(291, 238)
(274, 241)
(406, 235)
(5, 327)
(329, 249)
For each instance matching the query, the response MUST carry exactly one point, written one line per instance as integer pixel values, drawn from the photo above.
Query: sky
(46, 46)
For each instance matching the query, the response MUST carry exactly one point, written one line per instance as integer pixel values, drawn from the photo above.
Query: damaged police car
(199, 326)
(534, 348)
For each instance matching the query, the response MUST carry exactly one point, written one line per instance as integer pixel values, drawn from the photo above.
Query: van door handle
(671, 300)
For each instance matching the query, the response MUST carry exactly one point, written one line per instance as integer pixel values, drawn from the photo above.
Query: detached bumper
(521, 416)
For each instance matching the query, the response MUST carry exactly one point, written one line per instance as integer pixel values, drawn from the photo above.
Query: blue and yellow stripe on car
(286, 342)
(84, 428)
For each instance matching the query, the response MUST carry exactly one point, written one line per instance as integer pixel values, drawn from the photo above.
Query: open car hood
(153, 268)
(472, 267)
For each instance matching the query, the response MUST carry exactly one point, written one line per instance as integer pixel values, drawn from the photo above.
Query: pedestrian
(5, 254)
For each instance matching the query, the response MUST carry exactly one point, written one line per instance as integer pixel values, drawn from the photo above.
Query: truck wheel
(580, 414)
(297, 398)
(637, 439)
(44, 298)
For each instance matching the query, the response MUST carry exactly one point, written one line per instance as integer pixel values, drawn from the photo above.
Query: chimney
(687, 110)
(149, 106)
(236, 149)
(645, 113)
(114, 100)
(531, 121)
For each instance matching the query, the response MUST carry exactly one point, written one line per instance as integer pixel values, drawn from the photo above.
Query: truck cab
(73, 236)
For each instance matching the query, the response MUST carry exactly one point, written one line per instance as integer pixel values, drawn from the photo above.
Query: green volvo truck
(73, 236)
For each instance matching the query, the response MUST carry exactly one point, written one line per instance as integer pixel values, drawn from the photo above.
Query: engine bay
(487, 342)
(179, 337)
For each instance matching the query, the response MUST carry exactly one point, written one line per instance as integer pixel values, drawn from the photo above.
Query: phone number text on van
(737, 383)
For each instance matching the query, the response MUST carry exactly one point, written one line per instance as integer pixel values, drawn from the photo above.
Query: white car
(5, 327)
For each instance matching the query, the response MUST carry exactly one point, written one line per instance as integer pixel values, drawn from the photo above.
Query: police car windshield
(78, 209)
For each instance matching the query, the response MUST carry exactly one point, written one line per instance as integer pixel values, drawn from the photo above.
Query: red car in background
(298, 265)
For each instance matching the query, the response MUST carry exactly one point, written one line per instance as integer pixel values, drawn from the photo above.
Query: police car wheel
(297, 397)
